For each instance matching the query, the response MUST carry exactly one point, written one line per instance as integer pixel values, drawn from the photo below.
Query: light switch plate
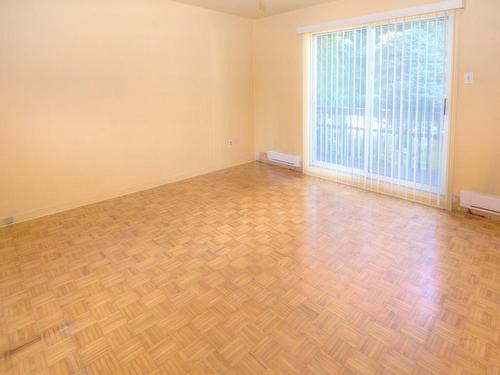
(469, 78)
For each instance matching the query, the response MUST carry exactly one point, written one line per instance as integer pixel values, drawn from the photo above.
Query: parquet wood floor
(251, 270)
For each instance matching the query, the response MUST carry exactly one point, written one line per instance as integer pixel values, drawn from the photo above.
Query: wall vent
(481, 202)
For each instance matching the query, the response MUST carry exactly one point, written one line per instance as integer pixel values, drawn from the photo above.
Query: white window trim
(383, 16)
(444, 197)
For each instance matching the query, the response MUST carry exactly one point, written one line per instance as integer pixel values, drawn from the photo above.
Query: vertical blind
(378, 106)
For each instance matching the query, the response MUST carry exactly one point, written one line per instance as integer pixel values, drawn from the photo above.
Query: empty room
(250, 187)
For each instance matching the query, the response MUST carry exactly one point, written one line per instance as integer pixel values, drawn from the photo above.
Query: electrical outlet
(8, 220)
(230, 142)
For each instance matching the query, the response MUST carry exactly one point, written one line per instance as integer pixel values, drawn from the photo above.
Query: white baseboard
(41, 212)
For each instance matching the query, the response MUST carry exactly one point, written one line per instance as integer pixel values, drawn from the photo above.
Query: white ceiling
(253, 8)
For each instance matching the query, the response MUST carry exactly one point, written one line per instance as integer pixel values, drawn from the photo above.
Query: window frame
(443, 187)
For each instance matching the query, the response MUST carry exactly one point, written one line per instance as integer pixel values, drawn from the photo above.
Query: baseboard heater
(285, 159)
(480, 202)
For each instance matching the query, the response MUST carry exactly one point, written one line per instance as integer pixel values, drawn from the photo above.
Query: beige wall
(476, 124)
(99, 98)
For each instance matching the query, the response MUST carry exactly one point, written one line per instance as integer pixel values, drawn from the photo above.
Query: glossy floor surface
(251, 270)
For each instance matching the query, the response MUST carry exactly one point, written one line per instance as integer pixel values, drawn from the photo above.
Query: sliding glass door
(378, 106)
